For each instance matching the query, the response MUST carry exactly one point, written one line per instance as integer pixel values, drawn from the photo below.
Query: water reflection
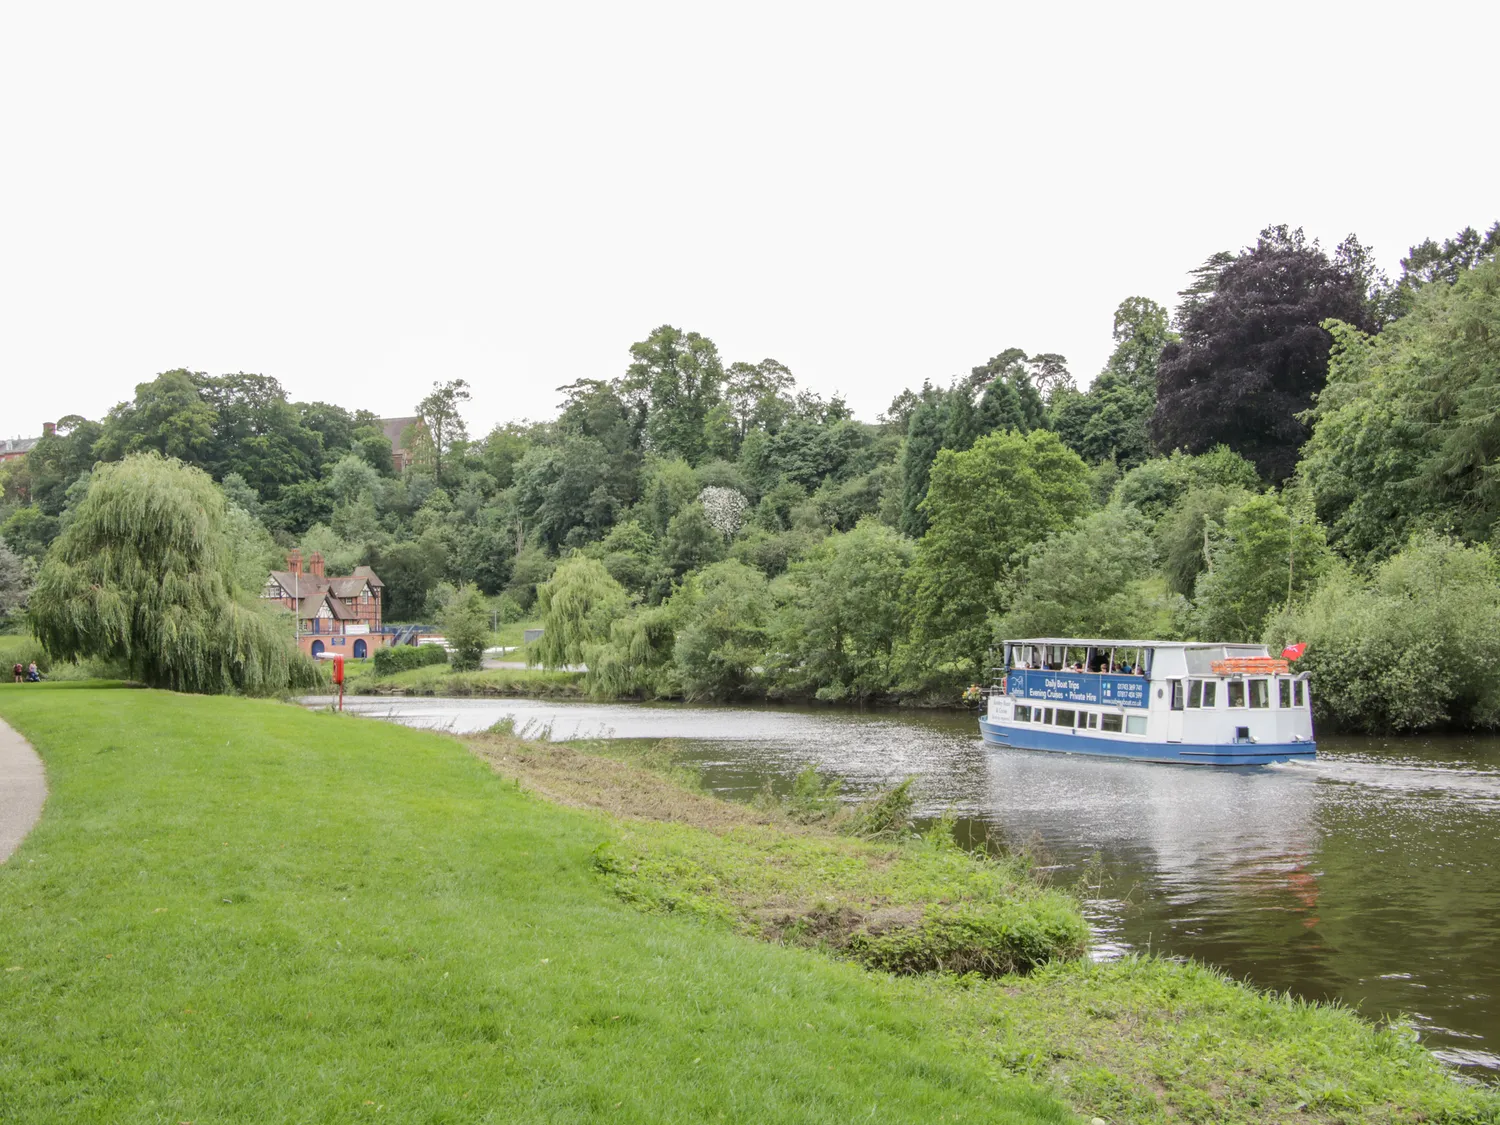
(1369, 876)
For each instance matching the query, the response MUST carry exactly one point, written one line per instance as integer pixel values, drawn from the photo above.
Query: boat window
(1177, 695)
(1260, 693)
(1048, 719)
(1296, 693)
(1195, 694)
(1210, 692)
(1236, 693)
(1066, 718)
(1284, 693)
(1023, 714)
(1114, 724)
(1135, 724)
(1036, 714)
(1093, 720)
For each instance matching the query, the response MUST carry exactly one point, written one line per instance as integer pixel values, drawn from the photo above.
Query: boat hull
(1035, 737)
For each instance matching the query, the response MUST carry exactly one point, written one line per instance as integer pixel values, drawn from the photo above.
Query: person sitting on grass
(32, 675)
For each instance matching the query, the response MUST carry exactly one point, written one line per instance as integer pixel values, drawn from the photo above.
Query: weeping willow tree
(576, 608)
(142, 577)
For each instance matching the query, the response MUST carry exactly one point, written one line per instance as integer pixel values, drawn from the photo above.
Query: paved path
(23, 789)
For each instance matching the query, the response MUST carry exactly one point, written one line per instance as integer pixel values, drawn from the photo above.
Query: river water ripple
(1371, 876)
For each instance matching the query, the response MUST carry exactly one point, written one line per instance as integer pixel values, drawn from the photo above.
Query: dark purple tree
(1253, 351)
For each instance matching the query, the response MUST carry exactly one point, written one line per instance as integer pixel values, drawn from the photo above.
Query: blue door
(361, 650)
(317, 648)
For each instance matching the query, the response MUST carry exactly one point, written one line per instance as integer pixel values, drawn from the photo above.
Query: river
(1371, 876)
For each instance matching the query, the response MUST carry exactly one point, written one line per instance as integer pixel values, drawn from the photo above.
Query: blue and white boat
(1155, 701)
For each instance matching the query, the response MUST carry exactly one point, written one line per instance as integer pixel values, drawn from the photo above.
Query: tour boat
(1155, 701)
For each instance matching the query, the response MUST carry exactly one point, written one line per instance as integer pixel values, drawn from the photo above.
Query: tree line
(1302, 449)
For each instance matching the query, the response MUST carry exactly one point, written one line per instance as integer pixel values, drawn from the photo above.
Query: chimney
(315, 564)
(294, 561)
(49, 429)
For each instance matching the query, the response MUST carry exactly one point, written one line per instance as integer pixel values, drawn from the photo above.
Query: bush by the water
(403, 658)
(1416, 647)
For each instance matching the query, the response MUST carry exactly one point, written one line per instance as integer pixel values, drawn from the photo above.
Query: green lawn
(514, 634)
(236, 910)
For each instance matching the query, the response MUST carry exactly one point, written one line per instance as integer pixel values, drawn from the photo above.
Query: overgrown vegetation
(700, 528)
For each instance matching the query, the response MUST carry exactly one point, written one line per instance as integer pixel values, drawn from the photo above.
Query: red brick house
(336, 615)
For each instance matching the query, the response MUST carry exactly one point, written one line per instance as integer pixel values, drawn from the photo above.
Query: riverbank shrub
(403, 658)
(884, 816)
(465, 622)
(1414, 648)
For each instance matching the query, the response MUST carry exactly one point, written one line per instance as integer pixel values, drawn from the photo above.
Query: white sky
(361, 199)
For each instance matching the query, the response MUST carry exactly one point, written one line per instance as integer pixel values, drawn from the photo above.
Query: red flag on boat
(1293, 652)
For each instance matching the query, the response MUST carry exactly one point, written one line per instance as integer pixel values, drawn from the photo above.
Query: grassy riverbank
(1144, 1040)
(240, 911)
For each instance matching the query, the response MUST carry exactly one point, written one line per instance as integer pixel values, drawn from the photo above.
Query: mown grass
(512, 635)
(1144, 1039)
(438, 679)
(237, 910)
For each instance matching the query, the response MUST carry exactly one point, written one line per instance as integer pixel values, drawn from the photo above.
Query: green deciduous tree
(1156, 486)
(465, 622)
(1112, 420)
(674, 380)
(690, 541)
(1182, 534)
(1261, 559)
(723, 617)
(984, 507)
(839, 618)
(637, 658)
(15, 581)
(1093, 580)
(442, 423)
(167, 415)
(1407, 435)
(143, 577)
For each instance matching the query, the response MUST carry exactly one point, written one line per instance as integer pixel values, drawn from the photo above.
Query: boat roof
(1087, 642)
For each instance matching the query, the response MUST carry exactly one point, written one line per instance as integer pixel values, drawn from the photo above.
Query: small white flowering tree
(726, 509)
